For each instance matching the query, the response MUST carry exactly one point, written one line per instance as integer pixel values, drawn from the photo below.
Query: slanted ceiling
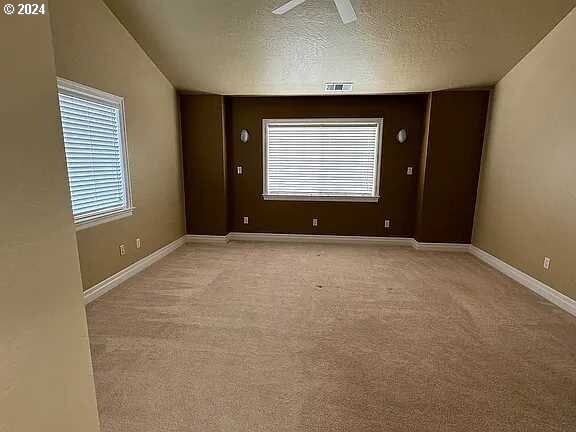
(241, 48)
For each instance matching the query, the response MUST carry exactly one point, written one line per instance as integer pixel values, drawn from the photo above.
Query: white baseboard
(214, 239)
(116, 279)
(540, 288)
(440, 247)
(313, 238)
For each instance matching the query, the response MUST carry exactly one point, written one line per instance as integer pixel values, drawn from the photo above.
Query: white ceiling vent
(338, 86)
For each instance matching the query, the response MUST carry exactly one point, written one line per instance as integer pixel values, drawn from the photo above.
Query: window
(322, 160)
(95, 146)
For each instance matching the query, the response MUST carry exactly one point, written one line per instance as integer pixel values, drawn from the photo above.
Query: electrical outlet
(239, 170)
(315, 222)
(122, 250)
(386, 223)
(410, 171)
(547, 262)
(246, 220)
(138, 243)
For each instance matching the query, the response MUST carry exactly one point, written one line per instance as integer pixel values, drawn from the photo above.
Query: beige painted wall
(94, 49)
(46, 381)
(527, 203)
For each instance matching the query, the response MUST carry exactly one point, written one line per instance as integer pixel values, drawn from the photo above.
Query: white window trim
(377, 162)
(75, 89)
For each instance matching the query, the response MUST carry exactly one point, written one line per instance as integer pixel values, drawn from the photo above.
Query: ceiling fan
(344, 7)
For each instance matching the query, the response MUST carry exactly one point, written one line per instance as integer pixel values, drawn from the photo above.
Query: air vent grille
(338, 86)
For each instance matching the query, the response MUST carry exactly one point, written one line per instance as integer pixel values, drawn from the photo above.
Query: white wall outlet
(547, 262)
(122, 250)
(138, 243)
(315, 222)
(386, 223)
(239, 170)
(410, 171)
(246, 220)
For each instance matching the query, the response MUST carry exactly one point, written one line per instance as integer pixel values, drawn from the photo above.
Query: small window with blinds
(96, 156)
(322, 159)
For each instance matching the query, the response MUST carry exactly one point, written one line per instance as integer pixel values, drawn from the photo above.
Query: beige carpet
(299, 337)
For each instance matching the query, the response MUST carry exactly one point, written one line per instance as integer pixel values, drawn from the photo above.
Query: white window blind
(92, 124)
(328, 160)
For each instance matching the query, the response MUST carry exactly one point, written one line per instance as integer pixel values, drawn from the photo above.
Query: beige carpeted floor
(299, 337)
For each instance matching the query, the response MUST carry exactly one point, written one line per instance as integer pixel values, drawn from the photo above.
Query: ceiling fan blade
(287, 7)
(346, 11)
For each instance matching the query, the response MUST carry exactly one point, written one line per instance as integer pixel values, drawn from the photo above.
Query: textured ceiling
(239, 47)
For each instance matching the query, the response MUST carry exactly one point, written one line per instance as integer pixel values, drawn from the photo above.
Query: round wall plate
(402, 136)
(244, 136)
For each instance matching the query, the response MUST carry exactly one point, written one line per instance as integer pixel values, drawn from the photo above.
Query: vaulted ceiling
(237, 47)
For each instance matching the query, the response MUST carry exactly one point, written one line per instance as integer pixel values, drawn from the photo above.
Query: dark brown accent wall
(397, 190)
(435, 204)
(449, 171)
(204, 156)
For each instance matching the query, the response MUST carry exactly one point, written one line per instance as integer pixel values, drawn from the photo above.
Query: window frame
(82, 91)
(377, 162)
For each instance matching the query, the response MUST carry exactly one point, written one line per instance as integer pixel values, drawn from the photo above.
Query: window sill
(320, 198)
(93, 221)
